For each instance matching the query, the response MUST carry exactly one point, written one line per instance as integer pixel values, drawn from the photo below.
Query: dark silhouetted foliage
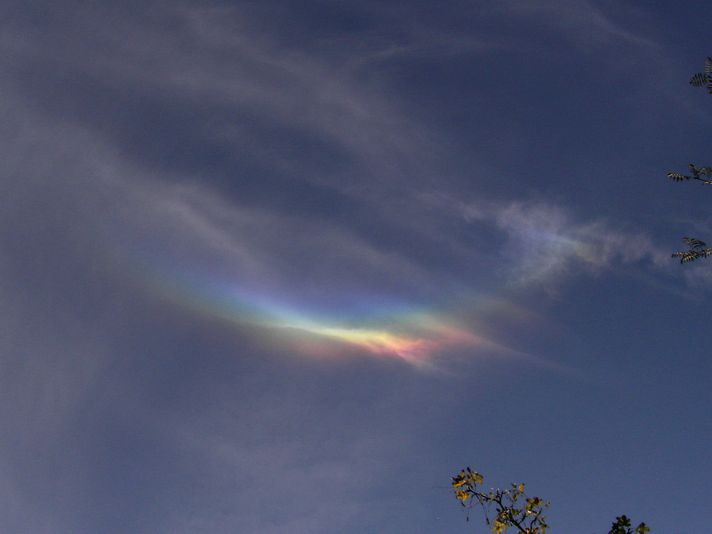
(622, 525)
(703, 79)
(696, 249)
(513, 509)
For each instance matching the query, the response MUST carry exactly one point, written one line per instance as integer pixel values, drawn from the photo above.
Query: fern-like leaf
(699, 79)
(694, 243)
(708, 65)
(677, 177)
(686, 256)
(696, 251)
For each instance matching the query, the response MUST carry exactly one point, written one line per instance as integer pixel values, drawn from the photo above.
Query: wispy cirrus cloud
(583, 21)
(545, 243)
(183, 187)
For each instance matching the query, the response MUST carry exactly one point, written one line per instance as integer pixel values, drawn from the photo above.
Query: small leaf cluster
(622, 525)
(703, 174)
(512, 507)
(703, 79)
(696, 249)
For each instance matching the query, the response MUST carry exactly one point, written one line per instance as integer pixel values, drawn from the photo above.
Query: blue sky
(287, 267)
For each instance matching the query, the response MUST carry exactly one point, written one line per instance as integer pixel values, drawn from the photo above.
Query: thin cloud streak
(582, 21)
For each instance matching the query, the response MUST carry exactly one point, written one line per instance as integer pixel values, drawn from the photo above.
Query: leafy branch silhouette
(696, 248)
(513, 509)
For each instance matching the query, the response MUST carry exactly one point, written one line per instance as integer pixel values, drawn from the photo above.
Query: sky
(286, 267)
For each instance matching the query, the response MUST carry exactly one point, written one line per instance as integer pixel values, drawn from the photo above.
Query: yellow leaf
(462, 496)
(499, 527)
